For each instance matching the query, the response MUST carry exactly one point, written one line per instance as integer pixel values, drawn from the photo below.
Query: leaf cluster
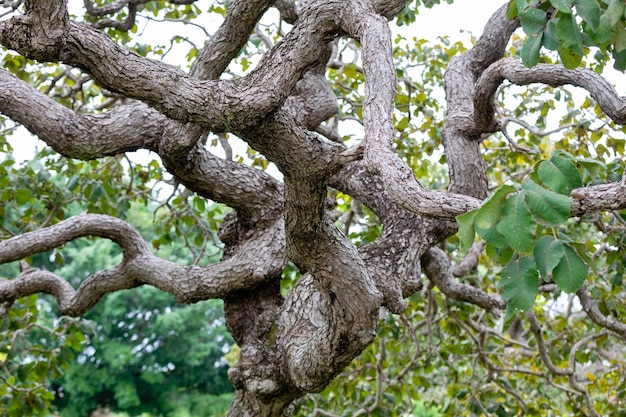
(571, 27)
(513, 222)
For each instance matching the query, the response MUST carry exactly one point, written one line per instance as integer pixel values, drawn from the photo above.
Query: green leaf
(548, 253)
(516, 224)
(519, 283)
(521, 4)
(619, 62)
(533, 21)
(583, 251)
(552, 208)
(613, 13)
(589, 11)
(560, 174)
(620, 38)
(549, 38)
(199, 203)
(492, 236)
(489, 214)
(602, 34)
(22, 196)
(569, 35)
(569, 58)
(563, 6)
(511, 11)
(491, 211)
(530, 50)
(593, 167)
(466, 230)
(571, 272)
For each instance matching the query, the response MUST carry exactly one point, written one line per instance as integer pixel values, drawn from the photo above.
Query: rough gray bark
(297, 345)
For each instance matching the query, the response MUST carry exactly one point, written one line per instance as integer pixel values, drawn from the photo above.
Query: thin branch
(554, 75)
(535, 328)
(591, 308)
(437, 267)
(470, 261)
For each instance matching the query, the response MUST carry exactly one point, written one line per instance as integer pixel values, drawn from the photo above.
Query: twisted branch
(437, 267)
(139, 266)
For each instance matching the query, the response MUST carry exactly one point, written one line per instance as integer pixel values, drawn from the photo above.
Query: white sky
(449, 19)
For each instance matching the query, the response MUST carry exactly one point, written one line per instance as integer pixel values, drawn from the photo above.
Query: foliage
(517, 222)
(33, 349)
(87, 365)
(571, 28)
(174, 350)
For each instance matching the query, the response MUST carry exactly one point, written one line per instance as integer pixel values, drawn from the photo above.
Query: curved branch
(245, 269)
(329, 318)
(554, 75)
(535, 328)
(438, 269)
(470, 261)
(380, 90)
(117, 5)
(46, 239)
(460, 132)
(591, 308)
(230, 37)
(393, 258)
(119, 130)
(123, 26)
(288, 10)
(75, 135)
(218, 106)
(106, 9)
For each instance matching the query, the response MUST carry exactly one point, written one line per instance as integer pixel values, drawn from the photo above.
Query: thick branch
(119, 130)
(393, 258)
(601, 197)
(75, 135)
(460, 131)
(218, 106)
(40, 33)
(380, 89)
(341, 295)
(245, 269)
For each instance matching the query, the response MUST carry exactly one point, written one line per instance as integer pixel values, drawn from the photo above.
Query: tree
(547, 216)
(149, 370)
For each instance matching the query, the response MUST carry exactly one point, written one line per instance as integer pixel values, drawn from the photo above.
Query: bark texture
(294, 345)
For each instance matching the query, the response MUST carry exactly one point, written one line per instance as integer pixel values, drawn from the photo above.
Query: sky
(451, 19)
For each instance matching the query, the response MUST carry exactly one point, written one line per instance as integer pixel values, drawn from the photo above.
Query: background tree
(134, 339)
(547, 214)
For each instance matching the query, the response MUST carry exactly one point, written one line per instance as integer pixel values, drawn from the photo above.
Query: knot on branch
(23, 35)
(41, 33)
